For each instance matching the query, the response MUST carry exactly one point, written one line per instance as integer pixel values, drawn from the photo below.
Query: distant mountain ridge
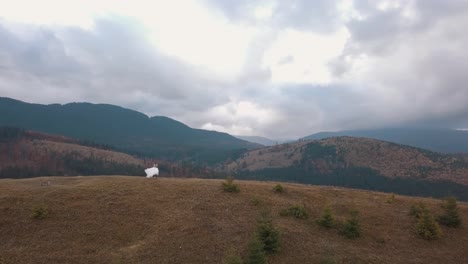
(359, 163)
(259, 140)
(439, 140)
(127, 130)
(263, 140)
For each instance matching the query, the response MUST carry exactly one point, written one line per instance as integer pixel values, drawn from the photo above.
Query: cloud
(269, 68)
(112, 63)
(414, 67)
(321, 16)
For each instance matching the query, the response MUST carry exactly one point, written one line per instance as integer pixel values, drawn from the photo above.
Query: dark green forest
(123, 130)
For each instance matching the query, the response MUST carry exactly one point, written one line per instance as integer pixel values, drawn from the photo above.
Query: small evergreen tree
(451, 217)
(269, 235)
(352, 227)
(230, 186)
(40, 212)
(427, 227)
(327, 219)
(278, 188)
(298, 211)
(256, 253)
(417, 209)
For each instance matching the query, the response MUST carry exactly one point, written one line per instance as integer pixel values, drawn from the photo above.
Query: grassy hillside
(137, 220)
(358, 163)
(124, 129)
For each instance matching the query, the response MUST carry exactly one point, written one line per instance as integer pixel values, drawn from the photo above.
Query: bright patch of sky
(310, 54)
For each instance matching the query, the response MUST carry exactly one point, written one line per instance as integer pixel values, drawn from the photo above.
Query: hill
(25, 154)
(126, 130)
(438, 140)
(358, 163)
(137, 220)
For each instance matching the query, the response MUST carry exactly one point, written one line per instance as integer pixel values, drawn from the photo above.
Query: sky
(274, 68)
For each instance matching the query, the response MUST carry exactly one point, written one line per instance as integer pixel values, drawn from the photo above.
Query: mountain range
(439, 140)
(86, 139)
(126, 130)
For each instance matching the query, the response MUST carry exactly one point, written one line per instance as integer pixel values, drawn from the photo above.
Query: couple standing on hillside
(151, 172)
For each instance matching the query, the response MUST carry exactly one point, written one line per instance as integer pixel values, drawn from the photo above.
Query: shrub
(269, 236)
(256, 254)
(278, 188)
(417, 209)
(427, 227)
(327, 219)
(352, 227)
(40, 212)
(297, 211)
(230, 186)
(451, 217)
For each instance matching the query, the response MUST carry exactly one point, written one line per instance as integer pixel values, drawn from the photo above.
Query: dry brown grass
(138, 220)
